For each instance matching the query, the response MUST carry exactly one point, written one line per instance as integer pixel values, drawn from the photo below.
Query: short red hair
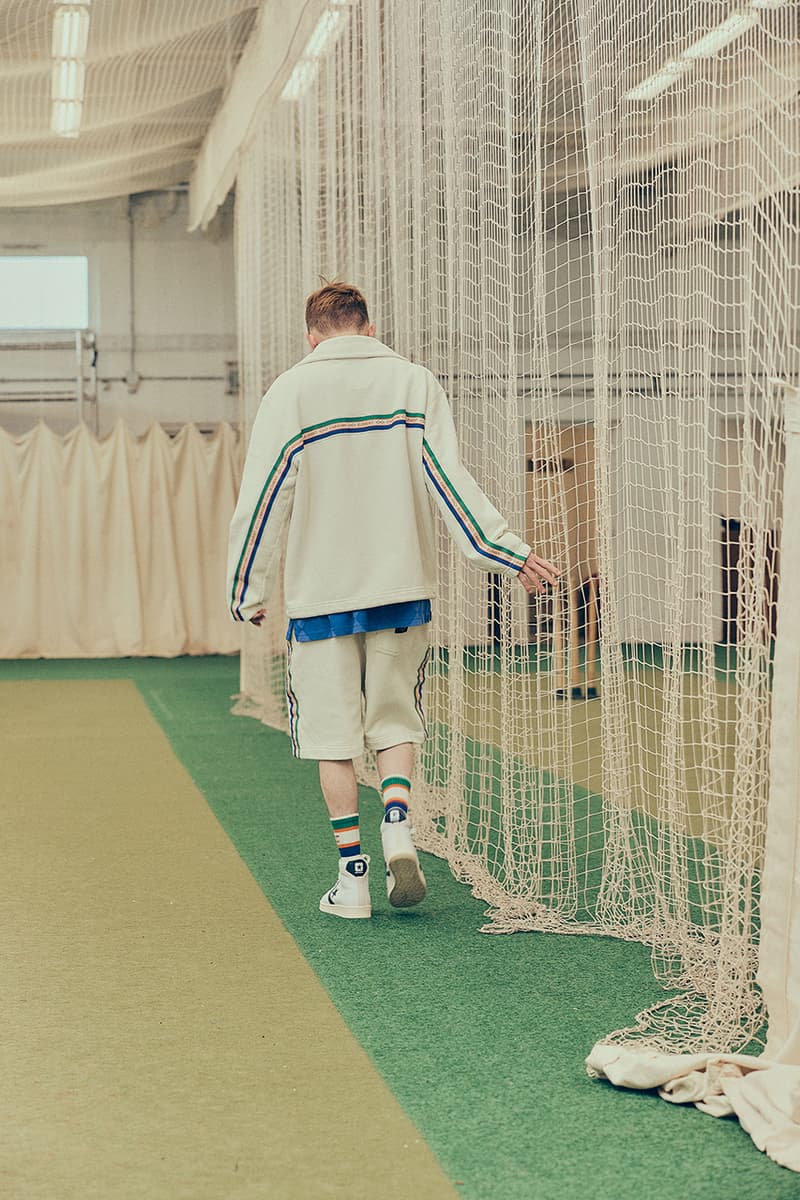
(336, 306)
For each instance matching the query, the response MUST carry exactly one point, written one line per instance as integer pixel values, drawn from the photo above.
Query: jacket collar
(349, 346)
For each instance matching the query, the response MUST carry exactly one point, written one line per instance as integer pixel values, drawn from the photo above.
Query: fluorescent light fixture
(770, 3)
(69, 77)
(706, 46)
(301, 79)
(66, 118)
(70, 31)
(327, 27)
(655, 84)
(731, 29)
(70, 40)
(326, 31)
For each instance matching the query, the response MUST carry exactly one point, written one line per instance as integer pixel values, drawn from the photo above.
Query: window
(44, 292)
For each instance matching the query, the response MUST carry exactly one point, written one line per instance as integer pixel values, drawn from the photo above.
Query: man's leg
(350, 896)
(338, 783)
(405, 880)
(397, 760)
(324, 691)
(395, 674)
(394, 771)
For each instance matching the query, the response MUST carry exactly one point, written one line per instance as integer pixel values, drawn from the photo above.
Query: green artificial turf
(481, 1038)
(548, 807)
(530, 658)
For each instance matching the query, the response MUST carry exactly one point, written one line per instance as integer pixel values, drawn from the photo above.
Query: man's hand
(536, 572)
(258, 617)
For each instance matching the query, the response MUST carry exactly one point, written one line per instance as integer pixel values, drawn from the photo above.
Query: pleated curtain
(116, 546)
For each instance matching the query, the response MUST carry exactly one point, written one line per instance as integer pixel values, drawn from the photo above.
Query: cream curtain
(116, 546)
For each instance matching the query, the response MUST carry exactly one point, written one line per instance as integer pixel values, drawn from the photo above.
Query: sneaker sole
(351, 912)
(409, 882)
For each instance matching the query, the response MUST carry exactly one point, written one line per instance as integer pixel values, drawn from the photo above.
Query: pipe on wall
(132, 378)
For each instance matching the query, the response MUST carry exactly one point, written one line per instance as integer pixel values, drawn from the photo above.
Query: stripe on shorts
(291, 699)
(418, 690)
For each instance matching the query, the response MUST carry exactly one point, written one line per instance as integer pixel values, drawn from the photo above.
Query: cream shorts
(346, 694)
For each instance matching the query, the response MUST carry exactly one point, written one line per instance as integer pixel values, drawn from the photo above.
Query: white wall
(184, 311)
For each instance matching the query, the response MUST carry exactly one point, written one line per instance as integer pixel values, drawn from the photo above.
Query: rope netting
(104, 97)
(583, 217)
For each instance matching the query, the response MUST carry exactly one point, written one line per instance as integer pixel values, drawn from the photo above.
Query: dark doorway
(733, 534)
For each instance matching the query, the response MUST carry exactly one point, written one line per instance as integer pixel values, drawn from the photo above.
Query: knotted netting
(104, 98)
(583, 217)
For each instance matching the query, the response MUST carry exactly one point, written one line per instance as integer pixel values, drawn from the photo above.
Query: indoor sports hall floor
(643, 697)
(186, 1024)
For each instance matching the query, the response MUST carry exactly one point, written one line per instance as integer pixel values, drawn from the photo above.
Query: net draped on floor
(607, 287)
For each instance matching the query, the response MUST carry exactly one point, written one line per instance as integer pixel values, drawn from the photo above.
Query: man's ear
(371, 331)
(312, 339)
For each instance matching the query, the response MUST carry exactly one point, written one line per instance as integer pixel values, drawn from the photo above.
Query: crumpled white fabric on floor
(762, 1093)
(116, 546)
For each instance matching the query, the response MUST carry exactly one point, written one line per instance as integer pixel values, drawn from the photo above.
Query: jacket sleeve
(476, 526)
(262, 513)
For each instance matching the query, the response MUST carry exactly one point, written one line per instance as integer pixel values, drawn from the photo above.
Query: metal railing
(71, 354)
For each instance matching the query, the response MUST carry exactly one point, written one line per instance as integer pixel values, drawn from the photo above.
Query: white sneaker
(349, 896)
(405, 883)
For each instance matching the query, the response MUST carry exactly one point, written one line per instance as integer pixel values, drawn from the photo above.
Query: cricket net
(583, 217)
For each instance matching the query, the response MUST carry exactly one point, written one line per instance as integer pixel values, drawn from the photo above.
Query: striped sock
(396, 791)
(348, 837)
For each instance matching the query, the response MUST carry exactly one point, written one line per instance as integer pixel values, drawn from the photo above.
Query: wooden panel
(561, 511)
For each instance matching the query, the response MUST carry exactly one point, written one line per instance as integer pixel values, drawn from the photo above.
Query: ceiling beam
(281, 32)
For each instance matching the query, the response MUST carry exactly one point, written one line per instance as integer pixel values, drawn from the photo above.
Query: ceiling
(731, 124)
(156, 73)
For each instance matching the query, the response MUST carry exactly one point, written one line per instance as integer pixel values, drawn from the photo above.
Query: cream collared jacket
(347, 451)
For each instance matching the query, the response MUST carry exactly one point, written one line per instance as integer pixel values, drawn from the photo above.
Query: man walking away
(348, 448)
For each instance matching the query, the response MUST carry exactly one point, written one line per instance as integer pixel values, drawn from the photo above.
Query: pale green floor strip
(542, 738)
(164, 1037)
